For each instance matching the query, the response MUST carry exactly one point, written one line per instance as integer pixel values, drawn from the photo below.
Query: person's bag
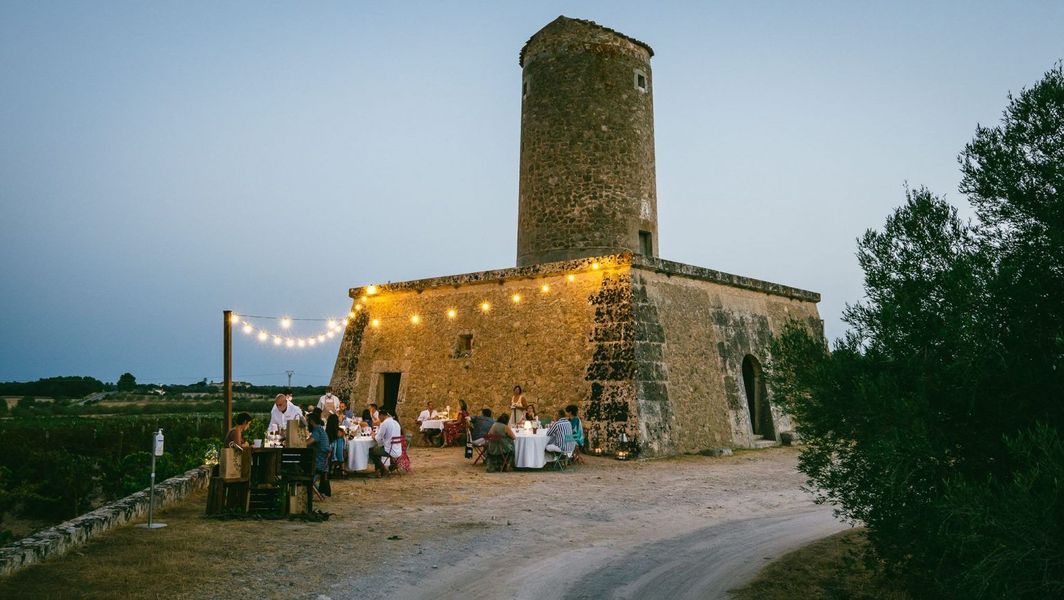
(233, 464)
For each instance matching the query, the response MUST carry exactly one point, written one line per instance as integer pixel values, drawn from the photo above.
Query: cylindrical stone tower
(587, 145)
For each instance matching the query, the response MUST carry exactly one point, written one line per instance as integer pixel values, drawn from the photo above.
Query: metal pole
(227, 370)
(290, 378)
(151, 497)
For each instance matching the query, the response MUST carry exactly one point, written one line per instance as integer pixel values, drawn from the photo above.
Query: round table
(530, 450)
(358, 453)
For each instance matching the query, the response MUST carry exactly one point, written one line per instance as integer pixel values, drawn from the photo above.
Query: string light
(276, 340)
(331, 324)
(248, 328)
(415, 319)
(311, 342)
(289, 342)
(572, 278)
(595, 266)
(451, 313)
(544, 288)
(375, 323)
(262, 336)
(301, 342)
(516, 298)
(364, 298)
(485, 306)
(358, 307)
(234, 318)
(286, 322)
(371, 290)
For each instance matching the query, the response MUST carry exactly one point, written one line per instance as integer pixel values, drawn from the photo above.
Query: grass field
(829, 569)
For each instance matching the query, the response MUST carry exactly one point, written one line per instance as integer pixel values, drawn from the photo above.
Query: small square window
(646, 243)
(640, 81)
(463, 347)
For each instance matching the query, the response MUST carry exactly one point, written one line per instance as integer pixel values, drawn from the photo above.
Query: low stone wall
(58, 540)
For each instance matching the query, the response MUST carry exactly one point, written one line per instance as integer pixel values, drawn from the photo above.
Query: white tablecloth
(358, 453)
(530, 451)
(433, 424)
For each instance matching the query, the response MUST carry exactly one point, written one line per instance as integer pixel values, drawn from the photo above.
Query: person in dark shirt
(319, 441)
(479, 426)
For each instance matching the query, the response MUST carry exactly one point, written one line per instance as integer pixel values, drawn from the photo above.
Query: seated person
(479, 426)
(430, 435)
(530, 414)
(235, 437)
(578, 427)
(365, 428)
(387, 432)
(374, 415)
(501, 443)
(560, 436)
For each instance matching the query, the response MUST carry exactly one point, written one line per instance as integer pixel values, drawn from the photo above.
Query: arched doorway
(757, 399)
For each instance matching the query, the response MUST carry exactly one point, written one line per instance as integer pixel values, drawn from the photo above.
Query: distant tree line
(937, 419)
(79, 387)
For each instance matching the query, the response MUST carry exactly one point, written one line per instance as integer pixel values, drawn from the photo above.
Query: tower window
(641, 81)
(646, 243)
(525, 88)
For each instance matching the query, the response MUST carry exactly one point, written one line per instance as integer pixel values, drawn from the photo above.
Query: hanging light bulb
(595, 266)
(375, 323)
(262, 336)
(351, 315)
(415, 319)
(286, 322)
(311, 341)
(234, 318)
(248, 328)
(358, 307)
(345, 322)
(277, 340)
(331, 324)
(516, 298)
(451, 313)
(301, 342)
(544, 288)
(330, 334)
(321, 338)
(371, 290)
(485, 306)
(289, 342)
(572, 278)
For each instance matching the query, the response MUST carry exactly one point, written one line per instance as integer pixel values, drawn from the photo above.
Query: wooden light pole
(227, 369)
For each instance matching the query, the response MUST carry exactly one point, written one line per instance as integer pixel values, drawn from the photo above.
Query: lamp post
(157, 450)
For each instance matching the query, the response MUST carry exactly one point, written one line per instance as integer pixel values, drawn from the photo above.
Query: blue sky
(160, 162)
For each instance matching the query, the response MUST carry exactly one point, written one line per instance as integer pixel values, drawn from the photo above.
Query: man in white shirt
(328, 404)
(427, 415)
(284, 411)
(387, 442)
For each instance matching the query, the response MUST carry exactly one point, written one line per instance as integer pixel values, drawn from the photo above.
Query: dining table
(358, 453)
(530, 449)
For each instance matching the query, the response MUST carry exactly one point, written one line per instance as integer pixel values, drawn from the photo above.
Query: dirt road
(688, 527)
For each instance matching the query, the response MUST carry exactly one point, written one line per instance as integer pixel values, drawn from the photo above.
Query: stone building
(667, 354)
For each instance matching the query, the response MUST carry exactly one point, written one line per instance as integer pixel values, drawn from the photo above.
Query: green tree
(921, 421)
(127, 382)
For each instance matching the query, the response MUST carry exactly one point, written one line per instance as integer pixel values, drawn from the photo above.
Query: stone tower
(587, 183)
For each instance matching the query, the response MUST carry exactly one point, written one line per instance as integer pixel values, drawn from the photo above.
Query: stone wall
(646, 347)
(708, 329)
(58, 540)
(587, 179)
(541, 342)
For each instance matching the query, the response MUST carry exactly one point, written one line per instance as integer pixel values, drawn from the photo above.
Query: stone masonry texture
(587, 183)
(650, 348)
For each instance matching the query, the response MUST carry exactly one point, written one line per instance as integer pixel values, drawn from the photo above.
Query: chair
(478, 451)
(495, 438)
(402, 463)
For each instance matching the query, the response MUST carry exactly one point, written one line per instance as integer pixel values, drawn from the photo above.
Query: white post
(157, 450)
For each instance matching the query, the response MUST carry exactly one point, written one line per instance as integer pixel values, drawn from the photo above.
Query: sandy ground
(689, 527)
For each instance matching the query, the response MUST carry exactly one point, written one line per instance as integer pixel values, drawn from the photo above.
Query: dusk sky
(161, 162)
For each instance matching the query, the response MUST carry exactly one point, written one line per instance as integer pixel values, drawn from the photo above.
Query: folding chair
(478, 451)
(402, 463)
(494, 437)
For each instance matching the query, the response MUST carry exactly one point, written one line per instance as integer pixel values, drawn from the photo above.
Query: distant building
(666, 354)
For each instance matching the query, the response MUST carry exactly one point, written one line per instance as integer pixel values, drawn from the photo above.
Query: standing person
(283, 411)
(518, 406)
(574, 422)
(319, 440)
(235, 436)
(387, 432)
(329, 403)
